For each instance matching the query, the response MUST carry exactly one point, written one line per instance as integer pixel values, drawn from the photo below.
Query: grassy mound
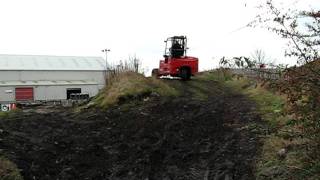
(130, 85)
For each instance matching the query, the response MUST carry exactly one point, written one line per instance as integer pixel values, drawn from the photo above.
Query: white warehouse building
(49, 78)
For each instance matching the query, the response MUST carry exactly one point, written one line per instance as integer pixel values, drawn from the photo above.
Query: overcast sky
(136, 27)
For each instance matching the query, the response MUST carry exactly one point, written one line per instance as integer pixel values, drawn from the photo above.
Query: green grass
(8, 170)
(219, 75)
(130, 85)
(271, 106)
(11, 113)
(4, 114)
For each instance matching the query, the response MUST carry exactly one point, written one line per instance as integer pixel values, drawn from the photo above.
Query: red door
(24, 94)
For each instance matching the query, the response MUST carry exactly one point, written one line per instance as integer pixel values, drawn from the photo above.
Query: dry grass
(131, 85)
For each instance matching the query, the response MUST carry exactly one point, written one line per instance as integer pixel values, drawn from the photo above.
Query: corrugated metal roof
(45, 83)
(41, 62)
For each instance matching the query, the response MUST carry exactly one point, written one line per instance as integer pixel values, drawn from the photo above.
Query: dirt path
(204, 134)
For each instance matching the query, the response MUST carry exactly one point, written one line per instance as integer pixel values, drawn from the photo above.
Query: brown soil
(155, 138)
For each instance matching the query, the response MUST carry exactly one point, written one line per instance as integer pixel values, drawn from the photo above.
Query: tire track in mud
(160, 138)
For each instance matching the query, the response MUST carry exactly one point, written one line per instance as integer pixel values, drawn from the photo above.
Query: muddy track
(177, 138)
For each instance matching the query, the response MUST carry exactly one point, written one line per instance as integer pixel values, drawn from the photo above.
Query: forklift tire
(185, 74)
(155, 73)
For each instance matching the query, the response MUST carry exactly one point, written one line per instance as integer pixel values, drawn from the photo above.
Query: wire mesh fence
(257, 73)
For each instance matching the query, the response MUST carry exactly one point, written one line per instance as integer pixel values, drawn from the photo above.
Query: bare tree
(301, 28)
(259, 56)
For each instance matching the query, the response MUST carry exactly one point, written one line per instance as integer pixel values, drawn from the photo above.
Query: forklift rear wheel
(155, 73)
(185, 73)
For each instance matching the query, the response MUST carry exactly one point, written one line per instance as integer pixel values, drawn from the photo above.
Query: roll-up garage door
(24, 94)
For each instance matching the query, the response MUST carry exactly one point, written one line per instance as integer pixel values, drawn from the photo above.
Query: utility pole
(106, 66)
(106, 51)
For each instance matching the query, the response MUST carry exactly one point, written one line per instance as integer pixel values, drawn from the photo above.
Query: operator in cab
(176, 50)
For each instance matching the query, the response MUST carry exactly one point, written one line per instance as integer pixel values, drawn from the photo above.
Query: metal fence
(270, 74)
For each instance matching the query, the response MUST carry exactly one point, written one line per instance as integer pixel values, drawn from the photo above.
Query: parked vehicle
(176, 63)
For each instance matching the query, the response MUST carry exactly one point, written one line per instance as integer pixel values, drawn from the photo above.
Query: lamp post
(106, 51)
(106, 68)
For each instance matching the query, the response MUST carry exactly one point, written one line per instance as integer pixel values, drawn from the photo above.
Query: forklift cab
(176, 47)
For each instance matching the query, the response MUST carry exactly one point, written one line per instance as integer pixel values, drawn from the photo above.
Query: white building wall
(45, 93)
(50, 92)
(97, 76)
(7, 94)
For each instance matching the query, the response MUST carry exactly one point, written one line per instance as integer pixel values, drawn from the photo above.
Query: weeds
(131, 85)
(8, 170)
(284, 154)
(9, 113)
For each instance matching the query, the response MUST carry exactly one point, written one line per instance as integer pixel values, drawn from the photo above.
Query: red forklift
(176, 63)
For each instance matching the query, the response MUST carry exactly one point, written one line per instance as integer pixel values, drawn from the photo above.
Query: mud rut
(177, 138)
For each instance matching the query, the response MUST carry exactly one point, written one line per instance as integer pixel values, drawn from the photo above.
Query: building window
(71, 92)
